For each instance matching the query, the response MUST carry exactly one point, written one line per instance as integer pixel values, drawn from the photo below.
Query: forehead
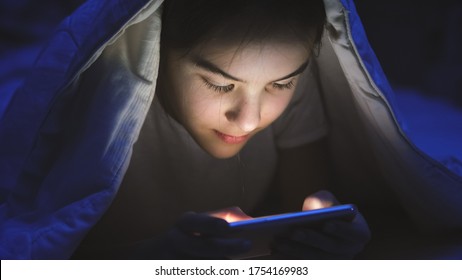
(252, 61)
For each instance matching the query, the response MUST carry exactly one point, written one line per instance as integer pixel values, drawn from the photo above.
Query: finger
(320, 199)
(207, 247)
(193, 223)
(230, 214)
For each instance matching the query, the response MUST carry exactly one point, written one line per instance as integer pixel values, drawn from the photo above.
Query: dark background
(418, 43)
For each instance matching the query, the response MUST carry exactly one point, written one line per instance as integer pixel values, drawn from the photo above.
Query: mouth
(230, 139)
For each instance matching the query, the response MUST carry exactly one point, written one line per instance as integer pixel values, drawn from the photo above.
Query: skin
(224, 96)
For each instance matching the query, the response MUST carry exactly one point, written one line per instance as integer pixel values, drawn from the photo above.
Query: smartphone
(262, 230)
(345, 212)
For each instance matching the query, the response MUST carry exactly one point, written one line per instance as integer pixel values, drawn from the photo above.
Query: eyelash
(228, 88)
(216, 88)
(288, 85)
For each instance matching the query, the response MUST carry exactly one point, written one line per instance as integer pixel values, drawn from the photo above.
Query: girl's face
(224, 96)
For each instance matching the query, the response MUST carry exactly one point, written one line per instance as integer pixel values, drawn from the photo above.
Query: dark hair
(191, 23)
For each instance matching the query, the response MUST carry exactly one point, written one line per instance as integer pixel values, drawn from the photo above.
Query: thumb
(320, 199)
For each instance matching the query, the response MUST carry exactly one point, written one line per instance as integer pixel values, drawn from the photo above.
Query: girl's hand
(336, 239)
(202, 236)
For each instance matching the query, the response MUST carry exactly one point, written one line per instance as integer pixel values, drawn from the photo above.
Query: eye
(288, 85)
(216, 88)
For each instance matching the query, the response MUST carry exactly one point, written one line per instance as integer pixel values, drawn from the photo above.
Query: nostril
(231, 115)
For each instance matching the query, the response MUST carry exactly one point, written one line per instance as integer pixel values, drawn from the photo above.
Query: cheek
(274, 106)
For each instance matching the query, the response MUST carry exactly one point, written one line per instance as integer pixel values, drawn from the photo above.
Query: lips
(230, 139)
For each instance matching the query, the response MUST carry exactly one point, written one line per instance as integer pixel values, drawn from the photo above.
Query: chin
(223, 152)
(223, 155)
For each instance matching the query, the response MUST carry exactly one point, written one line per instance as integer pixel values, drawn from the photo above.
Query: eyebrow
(210, 67)
(299, 70)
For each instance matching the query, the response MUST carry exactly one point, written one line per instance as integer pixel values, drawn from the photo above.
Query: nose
(246, 113)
